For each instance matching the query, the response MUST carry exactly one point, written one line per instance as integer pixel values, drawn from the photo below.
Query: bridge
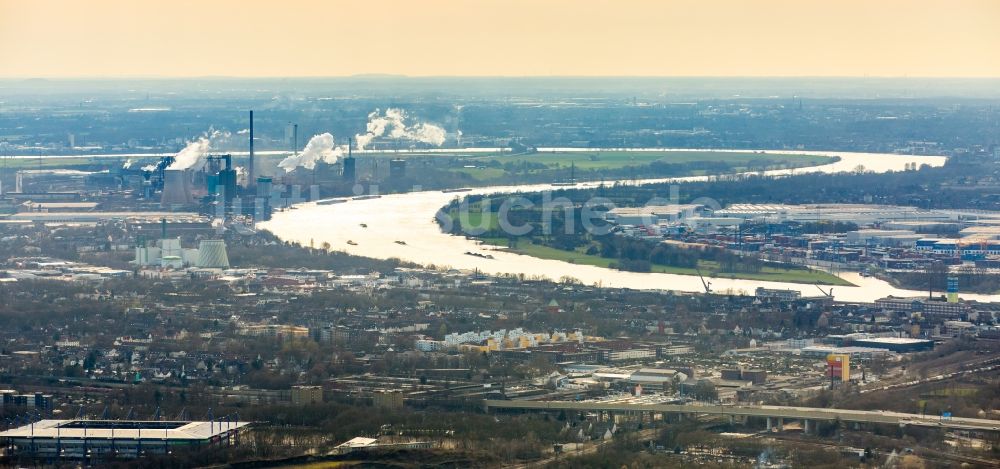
(806, 414)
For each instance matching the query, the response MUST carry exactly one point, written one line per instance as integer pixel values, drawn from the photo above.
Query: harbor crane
(707, 285)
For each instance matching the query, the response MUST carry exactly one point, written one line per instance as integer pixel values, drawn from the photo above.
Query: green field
(597, 164)
(622, 159)
(770, 274)
(480, 174)
(475, 220)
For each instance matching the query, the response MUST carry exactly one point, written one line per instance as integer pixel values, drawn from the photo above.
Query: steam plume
(193, 155)
(394, 121)
(319, 148)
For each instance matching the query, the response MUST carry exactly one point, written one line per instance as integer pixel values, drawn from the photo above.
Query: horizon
(512, 77)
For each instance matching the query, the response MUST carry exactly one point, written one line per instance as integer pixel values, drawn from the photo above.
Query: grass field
(480, 174)
(770, 274)
(587, 163)
(475, 220)
(621, 159)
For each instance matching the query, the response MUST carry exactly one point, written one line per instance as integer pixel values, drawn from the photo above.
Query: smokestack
(295, 139)
(250, 176)
(349, 170)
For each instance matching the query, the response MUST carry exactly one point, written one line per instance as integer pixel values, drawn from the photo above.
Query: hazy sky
(72, 38)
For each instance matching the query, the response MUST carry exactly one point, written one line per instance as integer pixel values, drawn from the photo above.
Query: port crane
(826, 293)
(707, 285)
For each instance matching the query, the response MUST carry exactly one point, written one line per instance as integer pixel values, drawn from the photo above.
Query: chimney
(250, 175)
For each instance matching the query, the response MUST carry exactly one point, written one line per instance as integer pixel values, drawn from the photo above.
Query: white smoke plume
(319, 148)
(149, 168)
(128, 164)
(428, 133)
(193, 155)
(394, 121)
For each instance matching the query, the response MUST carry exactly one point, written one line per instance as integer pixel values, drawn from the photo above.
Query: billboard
(838, 366)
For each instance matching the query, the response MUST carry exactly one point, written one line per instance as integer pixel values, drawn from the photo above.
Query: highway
(802, 413)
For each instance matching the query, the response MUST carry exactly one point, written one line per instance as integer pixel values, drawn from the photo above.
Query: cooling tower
(176, 188)
(212, 254)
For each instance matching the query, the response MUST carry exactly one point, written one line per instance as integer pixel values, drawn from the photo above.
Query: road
(844, 415)
(940, 377)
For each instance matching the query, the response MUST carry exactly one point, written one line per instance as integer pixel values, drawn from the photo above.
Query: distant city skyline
(301, 38)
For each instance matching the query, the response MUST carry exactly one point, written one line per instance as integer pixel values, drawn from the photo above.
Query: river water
(409, 218)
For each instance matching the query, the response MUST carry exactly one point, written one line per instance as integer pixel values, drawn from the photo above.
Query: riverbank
(707, 268)
(410, 218)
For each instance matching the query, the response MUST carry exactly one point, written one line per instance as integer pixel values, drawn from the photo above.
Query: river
(409, 217)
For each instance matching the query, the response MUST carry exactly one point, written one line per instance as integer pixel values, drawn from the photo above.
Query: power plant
(177, 188)
(200, 179)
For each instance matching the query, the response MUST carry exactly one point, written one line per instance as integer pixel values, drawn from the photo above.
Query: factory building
(151, 220)
(741, 374)
(397, 168)
(652, 215)
(99, 439)
(168, 253)
(862, 214)
(903, 238)
(350, 169)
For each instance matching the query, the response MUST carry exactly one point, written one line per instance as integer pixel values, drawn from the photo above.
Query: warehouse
(895, 344)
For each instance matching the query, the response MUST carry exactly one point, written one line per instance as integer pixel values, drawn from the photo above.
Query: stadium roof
(124, 429)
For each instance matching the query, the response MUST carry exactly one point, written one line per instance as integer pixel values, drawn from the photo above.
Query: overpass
(806, 414)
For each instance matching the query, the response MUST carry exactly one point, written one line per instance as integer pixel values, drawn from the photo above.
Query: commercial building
(362, 444)
(838, 366)
(388, 399)
(278, 331)
(820, 351)
(777, 294)
(656, 379)
(925, 306)
(99, 439)
(11, 399)
(302, 395)
(740, 374)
